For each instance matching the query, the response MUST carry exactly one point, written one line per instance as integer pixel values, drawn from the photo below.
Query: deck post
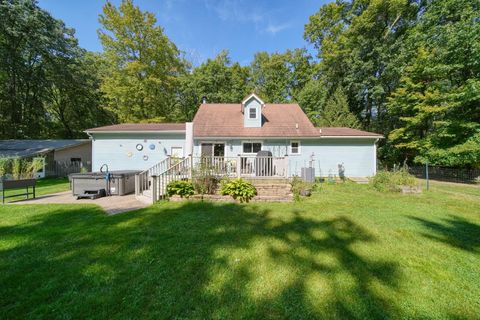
(190, 170)
(154, 188)
(287, 175)
(137, 184)
(239, 166)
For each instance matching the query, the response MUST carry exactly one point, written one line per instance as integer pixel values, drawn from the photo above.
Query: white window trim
(251, 141)
(299, 148)
(249, 112)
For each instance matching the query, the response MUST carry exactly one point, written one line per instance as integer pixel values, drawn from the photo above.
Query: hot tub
(119, 183)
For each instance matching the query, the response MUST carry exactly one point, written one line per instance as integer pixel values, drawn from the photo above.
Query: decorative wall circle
(139, 147)
(145, 157)
(152, 146)
(129, 154)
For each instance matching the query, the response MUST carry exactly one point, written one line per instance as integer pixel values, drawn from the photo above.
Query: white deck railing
(159, 176)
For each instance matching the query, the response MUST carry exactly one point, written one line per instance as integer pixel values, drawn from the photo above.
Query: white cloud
(274, 29)
(234, 10)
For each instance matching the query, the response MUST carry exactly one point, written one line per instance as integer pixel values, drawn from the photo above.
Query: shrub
(301, 188)
(206, 184)
(238, 189)
(180, 188)
(4, 166)
(18, 168)
(390, 181)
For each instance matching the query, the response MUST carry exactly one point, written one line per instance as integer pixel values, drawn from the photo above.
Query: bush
(205, 184)
(180, 188)
(301, 188)
(390, 181)
(18, 168)
(238, 189)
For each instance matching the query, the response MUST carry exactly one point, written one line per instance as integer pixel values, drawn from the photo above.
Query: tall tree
(336, 112)
(217, 79)
(280, 77)
(143, 64)
(74, 97)
(312, 99)
(437, 102)
(38, 56)
(357, 42)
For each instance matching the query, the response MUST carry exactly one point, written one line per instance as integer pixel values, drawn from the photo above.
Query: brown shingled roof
(226, 120)
(124, 127)
(346, 132)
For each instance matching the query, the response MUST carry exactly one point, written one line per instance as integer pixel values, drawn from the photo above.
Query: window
(252, 113)
(295, 147)
(76, 160)
(252, 147)
(213, 149)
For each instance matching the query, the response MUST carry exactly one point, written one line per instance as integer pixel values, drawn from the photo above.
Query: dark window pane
(247, 147)
(253, 113)
(257, 147)
(219, 150)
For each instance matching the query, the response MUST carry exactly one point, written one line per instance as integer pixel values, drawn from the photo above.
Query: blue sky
(202, 28)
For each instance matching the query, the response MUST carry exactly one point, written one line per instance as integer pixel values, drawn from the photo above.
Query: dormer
(252, 111)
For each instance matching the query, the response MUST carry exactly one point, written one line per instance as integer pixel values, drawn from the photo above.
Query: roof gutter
(135, 131)
(287, 137)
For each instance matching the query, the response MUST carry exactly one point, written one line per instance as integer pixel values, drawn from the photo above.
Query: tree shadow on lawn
(194, 260)
(454, 231)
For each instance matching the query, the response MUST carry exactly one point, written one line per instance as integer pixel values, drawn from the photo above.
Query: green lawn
(43, 187)
(347, 252)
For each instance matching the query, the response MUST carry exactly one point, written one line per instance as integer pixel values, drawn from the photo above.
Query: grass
(43, 187)
(346, 252)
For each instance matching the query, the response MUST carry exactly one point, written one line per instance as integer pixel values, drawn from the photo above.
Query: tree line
(409, 69)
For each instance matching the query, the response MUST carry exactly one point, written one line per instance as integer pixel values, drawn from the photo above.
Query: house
(232, 135)
(58, 154)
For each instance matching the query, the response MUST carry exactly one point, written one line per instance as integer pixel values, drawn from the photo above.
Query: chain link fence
(458, 175)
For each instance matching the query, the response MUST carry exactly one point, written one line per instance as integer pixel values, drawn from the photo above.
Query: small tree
(336, 112)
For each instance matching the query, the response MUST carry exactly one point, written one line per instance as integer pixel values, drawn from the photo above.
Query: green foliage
(239, 189)
(437, 99)
(390, 181)
(312, 99)
(18, 168)
(301, 188)
(357, 43)
(205, 183)
(48, 88)
(336, 112)
(279, 77)
(180, 188)
(4, 167)
(143, 65)
(217, 79)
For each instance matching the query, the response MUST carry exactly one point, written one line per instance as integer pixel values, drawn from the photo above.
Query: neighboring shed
(58, 154)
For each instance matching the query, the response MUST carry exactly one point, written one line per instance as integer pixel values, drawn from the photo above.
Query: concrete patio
(111, 205)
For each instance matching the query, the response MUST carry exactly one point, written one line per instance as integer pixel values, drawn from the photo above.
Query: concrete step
(285, 198)
(272, 185)
(144, 199)
(147, 193)
(260, 181)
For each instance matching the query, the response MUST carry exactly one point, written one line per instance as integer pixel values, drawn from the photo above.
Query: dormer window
(252, 112)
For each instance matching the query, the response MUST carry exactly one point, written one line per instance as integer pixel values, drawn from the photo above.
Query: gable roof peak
(250, 96)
